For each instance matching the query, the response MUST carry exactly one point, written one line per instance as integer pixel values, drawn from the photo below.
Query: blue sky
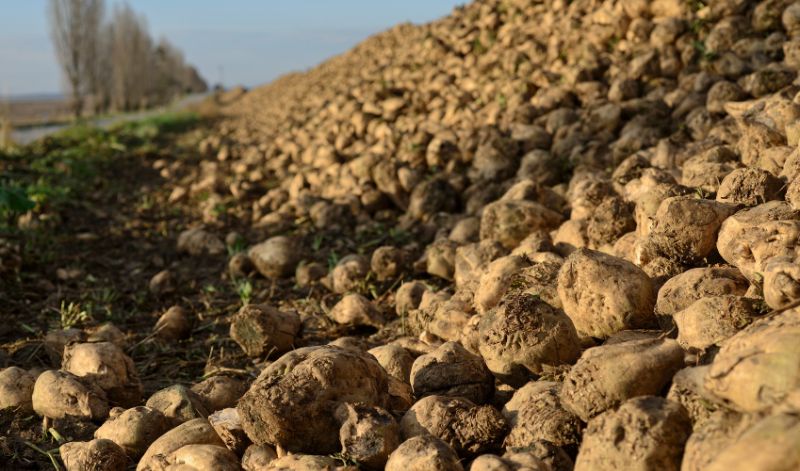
(246, 42)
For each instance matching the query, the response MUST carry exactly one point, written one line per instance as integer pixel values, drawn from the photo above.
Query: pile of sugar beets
(603, 204)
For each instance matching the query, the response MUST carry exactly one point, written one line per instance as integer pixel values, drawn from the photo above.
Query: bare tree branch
(74, 26)
(117, 64)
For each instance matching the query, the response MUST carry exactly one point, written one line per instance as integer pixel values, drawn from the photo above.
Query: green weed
(14, 201)
(317, 242)
(72, 315)
(333, 260)
(238, 246)
(244, 288)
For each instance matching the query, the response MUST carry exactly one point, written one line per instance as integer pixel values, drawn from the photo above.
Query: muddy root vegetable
(713, 435)
(510, 221)
(685, 228)
(710, 321)
(16, 389)
(219, 392)
(292, 402)
(470, 429)
(228, 425)
(749, 227)
(781, 287)
(56, 340)
(687, 390)
(261, 329)
(355, 309)
(396, 360)
(97, 455)
(134, 429)
(756, 368)
(603, 294)
(174, 324)
(606, 376)
(535, 414)
(276, 257)
(440, 258)
(539, 279)
(178, 404)
(192, 432)
(59, 394)
(198, 241)
(368, 434)
(107, 332)
(511, 461)
(258, 457)
(109, 367)
(645, 434)
(388, 262)
(771, 443)
(424, 453)
(524, 337)
(201, 457)
(749, 187)
(451, 370)
(348, 273)
(681, 291)
(495, 281)
(408, 296)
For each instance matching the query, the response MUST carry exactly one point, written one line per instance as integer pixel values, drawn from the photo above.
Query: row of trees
(115, 64)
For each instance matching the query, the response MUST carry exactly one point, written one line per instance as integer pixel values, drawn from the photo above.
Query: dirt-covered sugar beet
(756, 368)
(261, 329)
(424, 452)
(603, 294)
(293, 401)
(535, 414)
(524, 337)
(607, 375)
(59, 394)
(16, 388)
(105, 364)
(96, 454)
(451, 370)
(133, 429)
(178, 404)
(469, 428)
(645, 433)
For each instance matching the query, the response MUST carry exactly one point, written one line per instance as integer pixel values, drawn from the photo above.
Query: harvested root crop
(134, 430)
(59, 394)
(606, 376)
(535, 414)
(524, 336)
(98, 454)
(645, 433)
(451, 370)
(16, 389)
(423, 453)
(105, 364)
(470, 429)
(603, 294)
(293, 401)
(756, 368)
(261, 329)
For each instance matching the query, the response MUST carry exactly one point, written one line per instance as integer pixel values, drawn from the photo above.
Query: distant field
(34, 111)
